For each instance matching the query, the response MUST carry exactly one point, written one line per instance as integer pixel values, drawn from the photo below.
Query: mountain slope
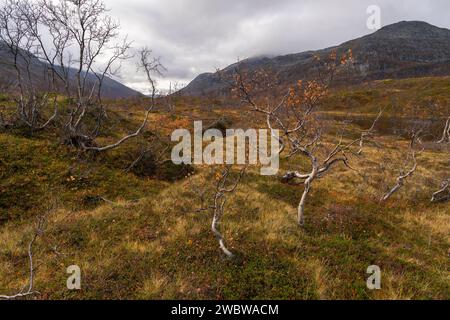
(111, 88)
(401, 50)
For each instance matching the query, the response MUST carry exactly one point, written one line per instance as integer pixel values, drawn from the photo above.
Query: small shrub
(169, 171)
(145, 167)
(221, 124)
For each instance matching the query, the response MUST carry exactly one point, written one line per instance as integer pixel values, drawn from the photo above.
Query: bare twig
(295, 115)
(443, 194)
(369, 133)
(32, 97)
(405, 175)
(223, 188)
(446, 133)
(28, 290)
(150, 66)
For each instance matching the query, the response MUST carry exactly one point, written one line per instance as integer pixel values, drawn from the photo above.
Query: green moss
(147, 241)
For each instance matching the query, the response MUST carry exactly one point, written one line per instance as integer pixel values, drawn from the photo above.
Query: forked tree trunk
(308, 183)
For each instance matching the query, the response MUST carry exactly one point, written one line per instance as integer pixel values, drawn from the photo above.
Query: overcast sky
(196, 36)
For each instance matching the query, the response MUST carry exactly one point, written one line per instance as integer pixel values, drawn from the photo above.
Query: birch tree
(80, 46)
(33, 98)
(297, 115)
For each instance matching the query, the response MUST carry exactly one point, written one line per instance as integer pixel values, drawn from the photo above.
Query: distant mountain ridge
(405, 49)
(111, 88)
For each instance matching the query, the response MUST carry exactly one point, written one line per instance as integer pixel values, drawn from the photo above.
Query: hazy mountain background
(405, 49)
(111, 88)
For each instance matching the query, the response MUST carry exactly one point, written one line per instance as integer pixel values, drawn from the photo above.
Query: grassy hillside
(426, 97)
(143, 237)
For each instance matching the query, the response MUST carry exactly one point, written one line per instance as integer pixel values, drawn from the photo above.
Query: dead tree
(443, 194)
(173, 91)
(79, 43)
(150, 66)
(223, 187)
(446, 134)
(214, 198)
(32, 97)
(296, 116)
(6, 85)
(366, 135)
(404, 173)
(81, 32)
(29, 290)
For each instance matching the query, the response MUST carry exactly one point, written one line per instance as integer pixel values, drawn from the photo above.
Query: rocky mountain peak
(405, 49)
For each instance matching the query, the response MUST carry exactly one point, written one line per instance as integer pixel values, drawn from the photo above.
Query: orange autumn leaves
(262, 86)
(305, 93)
(347, 57)
(252, 82)
(333, 61)
(310, 92)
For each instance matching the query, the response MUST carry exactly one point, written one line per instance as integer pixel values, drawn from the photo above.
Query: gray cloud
(195, 36)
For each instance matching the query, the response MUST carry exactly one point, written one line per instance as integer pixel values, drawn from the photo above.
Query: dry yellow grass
(161, 247)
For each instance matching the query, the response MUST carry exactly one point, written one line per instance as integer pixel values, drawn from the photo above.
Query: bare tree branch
(295, 114)
(446, 133)
(369, 133)
(28, 290)
(32, 97)
(223, 187)
(150, 66)
(443, 194)
(405, 175)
